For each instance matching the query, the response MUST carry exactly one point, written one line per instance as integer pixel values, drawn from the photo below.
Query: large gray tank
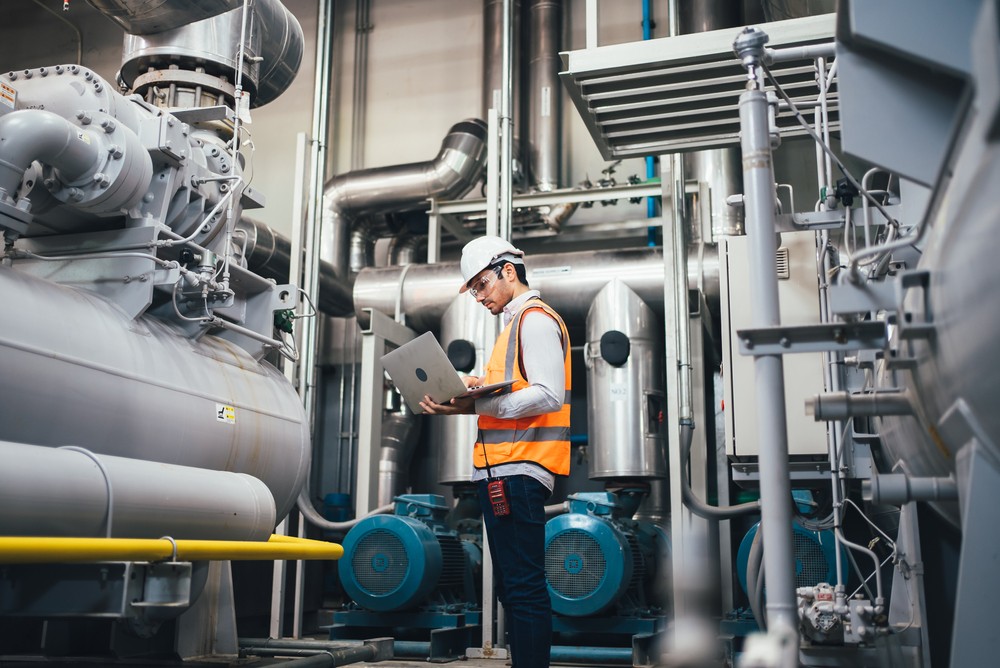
(75, 370)
(625, 398)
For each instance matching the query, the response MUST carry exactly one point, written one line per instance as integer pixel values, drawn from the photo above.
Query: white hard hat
(480, 253)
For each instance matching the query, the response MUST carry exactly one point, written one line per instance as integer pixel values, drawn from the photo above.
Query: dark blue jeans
(517, 545)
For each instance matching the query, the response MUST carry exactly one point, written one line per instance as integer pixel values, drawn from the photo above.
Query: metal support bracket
(836, 337)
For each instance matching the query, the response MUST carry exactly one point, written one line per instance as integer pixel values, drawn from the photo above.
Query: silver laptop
(421, 367)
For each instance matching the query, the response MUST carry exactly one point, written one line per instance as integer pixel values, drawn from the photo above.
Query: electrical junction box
(798, 296)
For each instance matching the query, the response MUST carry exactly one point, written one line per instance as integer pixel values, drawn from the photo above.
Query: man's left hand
(463, 406)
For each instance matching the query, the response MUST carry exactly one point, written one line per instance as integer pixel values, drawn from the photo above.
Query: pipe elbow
(34, 134)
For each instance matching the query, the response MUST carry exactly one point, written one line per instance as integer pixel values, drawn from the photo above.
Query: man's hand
(466, 406)
(473, 381)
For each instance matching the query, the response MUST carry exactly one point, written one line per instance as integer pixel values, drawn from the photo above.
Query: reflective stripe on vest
(541, 439)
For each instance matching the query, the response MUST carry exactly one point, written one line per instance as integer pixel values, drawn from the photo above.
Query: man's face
(492, 287)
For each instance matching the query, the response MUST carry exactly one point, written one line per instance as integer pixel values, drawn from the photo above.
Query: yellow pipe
(46, 550)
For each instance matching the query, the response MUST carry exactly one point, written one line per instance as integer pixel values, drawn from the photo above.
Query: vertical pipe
(775, 487)
(360, 91)
(544, 28)
(506, 122)
(647, 33)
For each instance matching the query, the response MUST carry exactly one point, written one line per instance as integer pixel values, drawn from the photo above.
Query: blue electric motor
(409, 560)
(599, 560)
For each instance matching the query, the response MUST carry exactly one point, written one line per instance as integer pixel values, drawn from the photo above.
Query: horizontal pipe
(895, 489)
(45, 550)
(843, 405)
(568, 281)
(321, 652)
(145, 17)
(50, 491)
(805, 52)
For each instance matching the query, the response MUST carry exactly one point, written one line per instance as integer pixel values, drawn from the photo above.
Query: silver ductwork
(348, 197)
(70, 491)
(568, 281)
(544, 122)
(186, 54)
(400, 432)
(268, 253)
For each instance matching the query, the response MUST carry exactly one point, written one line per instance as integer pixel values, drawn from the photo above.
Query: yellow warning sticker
(8, 95)
(225, 413)
(83, 136)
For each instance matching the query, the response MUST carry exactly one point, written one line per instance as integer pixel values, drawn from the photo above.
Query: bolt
(148, 197)
(59, 69)
(43, 71)
(27, 74)
(12, 76)
(74, 194)
(50, 183)
(98, 87)
(839, 335)
(784, 342)
(108, 125)
(224, 169)
(84, 117)
(748, 343)
(170, 122)
(98, 177)
(224, 188)
(143, 278)
(127, 279)
(116, 151)
(88, 75)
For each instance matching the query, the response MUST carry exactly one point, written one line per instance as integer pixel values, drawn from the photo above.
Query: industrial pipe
(895, 489)
(400, 432)
(544, 30)
(74, 492)
(145, 17)
(45, 550)
(843, 405)
(452, 173)
(319, 653)
(35, 134)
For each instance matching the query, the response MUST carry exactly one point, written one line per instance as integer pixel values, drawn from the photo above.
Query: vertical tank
(625, 398)
(468, 332)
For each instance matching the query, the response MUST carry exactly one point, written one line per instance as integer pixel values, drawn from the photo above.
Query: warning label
(225, 413)
(8, 96)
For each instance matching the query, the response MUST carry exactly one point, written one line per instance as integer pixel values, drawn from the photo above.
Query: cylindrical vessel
(625, 397)
(64, 492)
(140, 389)
(953, 372)
(454, 436)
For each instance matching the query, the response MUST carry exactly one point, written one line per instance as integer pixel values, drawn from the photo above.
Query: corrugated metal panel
(681, 93)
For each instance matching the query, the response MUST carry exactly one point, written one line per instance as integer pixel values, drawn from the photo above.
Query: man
(523, 437)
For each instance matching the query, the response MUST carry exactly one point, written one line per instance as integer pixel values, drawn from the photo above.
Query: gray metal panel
(680, 93)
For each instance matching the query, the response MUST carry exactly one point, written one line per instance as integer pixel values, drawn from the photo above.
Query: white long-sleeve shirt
(542, 358)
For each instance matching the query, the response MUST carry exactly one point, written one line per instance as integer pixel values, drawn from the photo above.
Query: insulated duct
(544, 124)
(399, 438)
(568, 282)
(194, 46)
(72, 492)
(268, 253)
(452, 173)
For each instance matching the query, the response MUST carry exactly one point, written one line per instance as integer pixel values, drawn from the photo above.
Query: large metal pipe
(719, 168)
(71, 492)
(35, 134)
(268, 253)
(145, 17)
(493, 12)
(138, 388)
(399, 438)
(568, 281)
(544, 29)
(190, 47)
(452, 173)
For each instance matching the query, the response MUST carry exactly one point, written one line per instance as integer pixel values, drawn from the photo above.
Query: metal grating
(682, 93)
(574, 564)
(781, 263)
(380, 563)
(811, 565)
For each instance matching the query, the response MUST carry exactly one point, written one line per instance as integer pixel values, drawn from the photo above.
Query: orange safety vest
(539, 439)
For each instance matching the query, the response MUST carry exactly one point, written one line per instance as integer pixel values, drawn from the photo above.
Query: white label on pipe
(619, 392)
(550, 271)
(546, 101)
(225, 413)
